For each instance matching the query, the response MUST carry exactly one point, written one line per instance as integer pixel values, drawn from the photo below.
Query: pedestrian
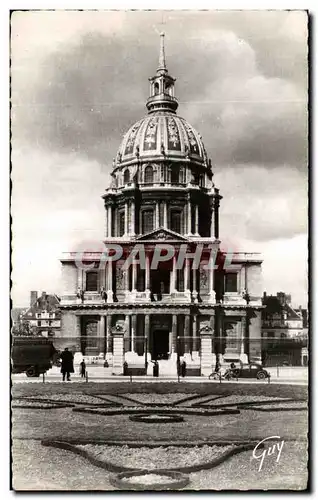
(155, 368)
(83, 369)
(183, 368)
(67, 366)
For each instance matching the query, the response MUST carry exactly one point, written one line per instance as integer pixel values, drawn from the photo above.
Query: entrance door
(160, 344)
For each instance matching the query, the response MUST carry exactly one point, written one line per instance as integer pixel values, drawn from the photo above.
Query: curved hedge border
(162, 418)
(104, 464)
(69, 401)
(150, 411)
(248, 403)
(275, 409)
(179, 481)
(42, 407)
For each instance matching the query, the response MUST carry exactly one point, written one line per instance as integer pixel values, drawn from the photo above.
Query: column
(212, 223)
(101, 335)
(132, 221)
(127, 342)
(147, 331)
(211, 285)
(109, 220)
(133, 331)
(134, 277)
(165, 215)
(126, 219)
(108, 334)
(187, 340)
(106, 222)
(189, 217)
(187, 292)
(174, 333)
(157, 215)
(78, 333)
(147, 277)
(196, 220)
(173, 276)
(194, 286)
(243, 355)
(110, 294)
(195, 346)
(216, 218)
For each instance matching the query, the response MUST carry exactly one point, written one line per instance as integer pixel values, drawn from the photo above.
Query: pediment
(162, 234)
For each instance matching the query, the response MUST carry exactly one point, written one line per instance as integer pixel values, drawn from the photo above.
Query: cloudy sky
(80, 79)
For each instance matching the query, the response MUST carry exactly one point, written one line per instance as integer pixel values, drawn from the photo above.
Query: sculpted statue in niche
(120, 276)
(203, 278)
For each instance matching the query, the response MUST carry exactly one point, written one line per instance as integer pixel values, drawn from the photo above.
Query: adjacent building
(284, 330)
(162, 195)
(43, 317)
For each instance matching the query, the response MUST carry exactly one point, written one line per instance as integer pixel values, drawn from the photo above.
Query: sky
(79, 80)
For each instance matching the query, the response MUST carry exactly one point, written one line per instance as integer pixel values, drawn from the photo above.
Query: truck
(33, 355)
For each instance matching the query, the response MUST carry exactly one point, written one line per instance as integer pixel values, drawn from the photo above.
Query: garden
(156, 436)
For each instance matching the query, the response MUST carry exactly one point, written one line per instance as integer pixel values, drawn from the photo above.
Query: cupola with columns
(162, 177)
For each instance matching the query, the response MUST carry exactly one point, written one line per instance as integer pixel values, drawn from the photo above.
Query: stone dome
(162, 134)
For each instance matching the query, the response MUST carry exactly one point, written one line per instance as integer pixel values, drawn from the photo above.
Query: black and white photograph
(160, 316)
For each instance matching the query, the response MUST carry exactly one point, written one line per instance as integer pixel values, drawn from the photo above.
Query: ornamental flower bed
(157, 398)
(288, 405)
(170, 457)
(37, 405)
(74, 397)
(165, 480)
(161, 409)
(237, 399)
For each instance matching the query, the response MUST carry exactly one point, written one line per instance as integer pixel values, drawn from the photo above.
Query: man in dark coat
(67, 364)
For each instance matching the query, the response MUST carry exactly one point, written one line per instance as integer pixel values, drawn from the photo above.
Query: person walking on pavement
(82, 369)
(67, 364)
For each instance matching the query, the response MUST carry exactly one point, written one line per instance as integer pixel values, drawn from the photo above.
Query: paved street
(97, 373)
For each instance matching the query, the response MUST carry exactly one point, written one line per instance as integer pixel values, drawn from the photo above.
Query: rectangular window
(231, 282)
(91, 281)
(39, 323)
(175, 221)
(147, 221)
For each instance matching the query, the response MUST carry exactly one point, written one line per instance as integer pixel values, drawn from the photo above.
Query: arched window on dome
(196, 178)
(168, 88)
(175, 221)
(126, 176)
(175, 174)
(147, 221)
(156, 88)
(148, 177)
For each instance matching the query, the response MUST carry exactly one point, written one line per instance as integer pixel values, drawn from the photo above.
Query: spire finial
(162, 57)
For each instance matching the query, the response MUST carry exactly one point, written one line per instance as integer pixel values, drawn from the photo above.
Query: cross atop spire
(162, 56)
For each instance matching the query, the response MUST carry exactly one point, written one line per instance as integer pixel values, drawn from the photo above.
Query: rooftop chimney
(33, 297)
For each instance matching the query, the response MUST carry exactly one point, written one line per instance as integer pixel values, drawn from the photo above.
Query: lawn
(38, 467)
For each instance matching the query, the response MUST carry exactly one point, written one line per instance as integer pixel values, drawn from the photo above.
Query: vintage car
(250, 370)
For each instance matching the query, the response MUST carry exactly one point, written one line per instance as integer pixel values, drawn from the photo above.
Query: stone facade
(147, 303)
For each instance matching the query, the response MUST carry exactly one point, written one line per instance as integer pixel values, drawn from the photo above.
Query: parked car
(251, 370)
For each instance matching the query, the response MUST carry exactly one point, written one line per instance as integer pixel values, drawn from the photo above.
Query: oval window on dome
(148, 177)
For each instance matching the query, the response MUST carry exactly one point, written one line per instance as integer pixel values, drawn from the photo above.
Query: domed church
(165, 291)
